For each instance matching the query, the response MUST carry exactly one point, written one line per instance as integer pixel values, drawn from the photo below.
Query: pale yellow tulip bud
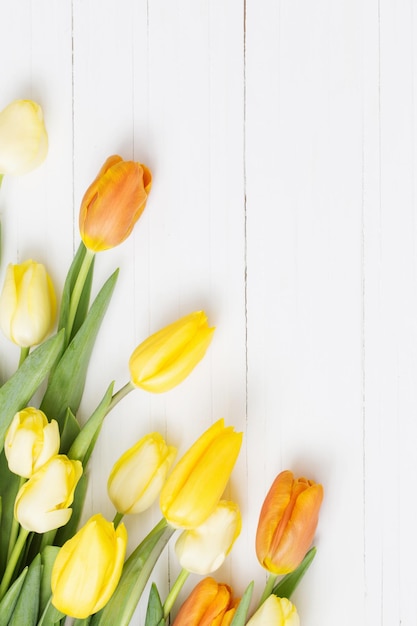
(203, 550)
(43, 502)
(138, 476)
(277, 612)
(30, 441)
(27, 304)
(23, 137)
(88, 568)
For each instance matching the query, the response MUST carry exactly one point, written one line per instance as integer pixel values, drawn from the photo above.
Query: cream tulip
(275, 612)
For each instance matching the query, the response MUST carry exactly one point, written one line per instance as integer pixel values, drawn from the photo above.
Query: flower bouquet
(50, 568)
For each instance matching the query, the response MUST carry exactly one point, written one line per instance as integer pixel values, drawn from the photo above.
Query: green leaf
(66, 383)
(66, 532)
(27, 605)
(8, 603)
(70, 430)
(135, 575)
(19, 389)
(48, 556)
(286, 586)
(155, 609)
(239, 618)
(82, 622)
(9, 485)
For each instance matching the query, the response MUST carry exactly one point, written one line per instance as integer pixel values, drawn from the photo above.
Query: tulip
(88, 568)
(23, 138)
(30, 441)
(167, 357)
(27, 304)
(113, 203)
(43, 502)
(202, 550)
(287, 522)
(275, 612)
(209, 604)
(195, 486)
(137, 477)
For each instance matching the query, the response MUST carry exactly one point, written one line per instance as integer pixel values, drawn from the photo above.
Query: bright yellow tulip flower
(137, 477)
(27, 304)
(88, 568)
(30, 441)
(202, 550)
(113, 203)
(23, 137)
(168, 356)
(197, 482)
(275, 612)
(43, 502)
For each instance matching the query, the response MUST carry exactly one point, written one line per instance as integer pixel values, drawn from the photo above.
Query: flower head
(23, 138)
(88, 568)
(209, 604)
(196, 484)
(168, 356)
(30, 441)
(27, 304)
(275, 612)
(137, 477)
(113, 203)
(287, 522)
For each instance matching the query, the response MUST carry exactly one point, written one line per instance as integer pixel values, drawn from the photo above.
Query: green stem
(24, 351)
(1, 179)
(174, 591)
(12, 562)
(15, 525)
(117, 519)
(119, 395)
(268, 588)
(78, 289)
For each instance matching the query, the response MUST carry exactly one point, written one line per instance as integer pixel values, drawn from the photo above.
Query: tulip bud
(137, 477)
(43, 502)
(209, 604)
(287, 522)
(277, 611)
(23, 138)
(30, 441)
(167, 357)
(203, 550)
(27, 304)
(88, 568)
(195, 486)
(113, 203)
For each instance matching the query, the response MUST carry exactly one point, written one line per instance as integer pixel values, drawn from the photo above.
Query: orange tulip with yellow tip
(209, 604)
(113, 203)
(287, 522)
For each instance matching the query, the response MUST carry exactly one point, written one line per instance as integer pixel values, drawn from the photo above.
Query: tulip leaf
(70, 430)
(20, 387)
(155, 609)
(50, 616)
(67, 382)
(9, 485)
(27, 606)
(66, 532)
(48, 556)
(239, 618)
(135, 575)
(8, 603)
(287, 585)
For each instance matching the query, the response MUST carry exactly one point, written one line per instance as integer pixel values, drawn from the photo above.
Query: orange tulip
(287, 522)
(209, 604)
(113, 203)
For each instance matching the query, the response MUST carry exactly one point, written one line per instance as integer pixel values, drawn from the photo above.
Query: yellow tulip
(197, 482)
(167, 357)
(209, 604)
(23, 138)
(276, 611)
(202, 550)
(27, 304)
(43, 502)
(88, 568)
(137, 477)
(113, 203)
(287, 522)
(30, 441)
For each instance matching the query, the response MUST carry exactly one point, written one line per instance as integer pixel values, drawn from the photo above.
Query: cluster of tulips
(49, 567)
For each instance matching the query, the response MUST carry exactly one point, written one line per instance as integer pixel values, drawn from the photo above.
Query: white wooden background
(282, 138)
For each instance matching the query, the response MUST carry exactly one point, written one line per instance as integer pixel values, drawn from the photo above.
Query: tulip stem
(15, 525)
(174, 591)
(117, 519)
(78, 289)
(1, 179)
(12, 562)
(119, 395)
(24, 352)
(270, 583)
